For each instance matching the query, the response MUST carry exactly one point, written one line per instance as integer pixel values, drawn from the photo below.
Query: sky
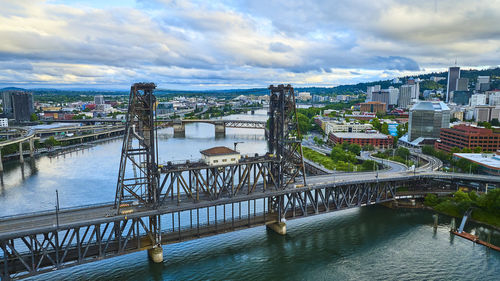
(198, 45)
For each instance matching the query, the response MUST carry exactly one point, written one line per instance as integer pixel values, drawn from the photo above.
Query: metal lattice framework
(138, 175)
(284, 137)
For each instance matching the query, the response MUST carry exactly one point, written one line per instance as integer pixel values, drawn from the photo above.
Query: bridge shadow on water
(342, 245)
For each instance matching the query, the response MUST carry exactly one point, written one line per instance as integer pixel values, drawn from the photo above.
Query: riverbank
(422, 206)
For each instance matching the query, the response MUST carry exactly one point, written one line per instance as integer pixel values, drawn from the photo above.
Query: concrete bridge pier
(179, 129)
(220, 128)
(156, 254)
(21, 156)
(32, 147)
(278, 227)
(1, 162)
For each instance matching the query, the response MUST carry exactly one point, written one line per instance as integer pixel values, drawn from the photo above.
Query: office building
(405, 95)
(4, 122)
(8, 111)
(465, 136)
(373, 106)
(453, 76)
(477, 99)
(349, 127)
(378, 140)
(483, 83)
(99, 99)
(18, 105)
(494, 98)
(370, 90)
(483, 113)
(393, 95)
(426, 120)
(462, 84)
(461, 97)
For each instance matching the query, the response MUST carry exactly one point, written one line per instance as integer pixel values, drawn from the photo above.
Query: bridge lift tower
(138, 177)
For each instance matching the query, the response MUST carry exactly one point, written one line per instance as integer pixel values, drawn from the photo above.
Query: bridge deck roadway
(28, 224)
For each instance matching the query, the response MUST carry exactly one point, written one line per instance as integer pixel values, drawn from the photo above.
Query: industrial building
(489, 163)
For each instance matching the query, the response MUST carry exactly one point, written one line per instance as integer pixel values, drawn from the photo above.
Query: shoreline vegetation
(485, 206)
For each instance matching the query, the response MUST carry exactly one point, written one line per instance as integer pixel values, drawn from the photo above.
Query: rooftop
(219, 150)
(489, 160)
(431, 106)
(360, 135)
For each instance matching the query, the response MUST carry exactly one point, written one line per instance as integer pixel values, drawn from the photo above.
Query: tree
(369, 165)
(33, 117)
(495, 122)
(50, 142)
(431, 200)
(478, 149)
(403, 152)
(355, 148)
(368, 147)
(384, 129)
(376, 124)
(304, 123)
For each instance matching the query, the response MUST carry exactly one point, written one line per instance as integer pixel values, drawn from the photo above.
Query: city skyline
(199, 46)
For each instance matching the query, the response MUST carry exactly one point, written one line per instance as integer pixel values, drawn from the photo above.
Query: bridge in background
(158, 204)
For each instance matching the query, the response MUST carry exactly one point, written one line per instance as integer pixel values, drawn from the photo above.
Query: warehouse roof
(218, 150)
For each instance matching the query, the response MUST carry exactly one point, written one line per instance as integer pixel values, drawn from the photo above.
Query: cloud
(245, 43)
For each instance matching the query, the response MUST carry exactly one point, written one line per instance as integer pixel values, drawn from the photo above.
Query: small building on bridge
(220, 155)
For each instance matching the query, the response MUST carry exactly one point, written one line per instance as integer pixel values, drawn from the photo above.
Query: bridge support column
(220, 129)
(1, 162)
(21, 156)
(278, 227)
(179, 129)
(156, 254)
(32, 147)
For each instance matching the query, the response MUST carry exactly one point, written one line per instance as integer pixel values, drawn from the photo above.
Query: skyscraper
(453, 75)
(7, 103)
(405, 93)
(22, 104)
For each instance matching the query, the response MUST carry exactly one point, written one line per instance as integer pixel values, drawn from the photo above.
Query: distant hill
(472, 74)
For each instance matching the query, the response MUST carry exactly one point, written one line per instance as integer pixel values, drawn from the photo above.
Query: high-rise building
(461, 97)
(426, 120)
(405, 93)
(99, 99)
(482, 113)
(22, 104)
(462, 84)
(370, 90)
(494, 98)
(7, 104)
(453, 75)
(393, 95)
(477, 99)
(482, 80)
(381, 96)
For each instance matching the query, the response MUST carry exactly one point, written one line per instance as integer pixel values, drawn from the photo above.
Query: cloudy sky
(239, 44)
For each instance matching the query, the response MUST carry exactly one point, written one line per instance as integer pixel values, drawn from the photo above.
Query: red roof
(218, 150)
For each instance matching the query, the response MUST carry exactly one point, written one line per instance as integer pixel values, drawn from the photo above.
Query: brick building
(376, 139)
(464, 136)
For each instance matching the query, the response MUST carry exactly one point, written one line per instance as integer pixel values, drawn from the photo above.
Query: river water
(368, 243)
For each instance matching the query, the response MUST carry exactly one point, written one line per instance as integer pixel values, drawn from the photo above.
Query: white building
(370, 90)
(305, 96)
(477, 99)
(494, 98)
(351, 127)
(393, 95)
(220, 155)
(482, 80)
(4, 122)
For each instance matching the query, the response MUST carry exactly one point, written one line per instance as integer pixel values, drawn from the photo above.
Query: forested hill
(472, 74)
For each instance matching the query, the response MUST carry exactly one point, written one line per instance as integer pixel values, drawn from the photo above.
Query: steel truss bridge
(198, 202)
(160, 204)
